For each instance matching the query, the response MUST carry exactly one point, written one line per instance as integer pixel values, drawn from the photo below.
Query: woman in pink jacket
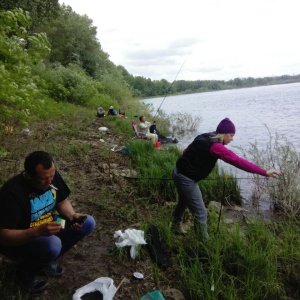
(196, 162)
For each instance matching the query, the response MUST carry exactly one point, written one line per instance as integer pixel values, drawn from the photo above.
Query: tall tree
(73, 39)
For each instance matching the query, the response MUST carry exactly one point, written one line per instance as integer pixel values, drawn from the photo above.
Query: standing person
(144, 129)
(30, 232)
(196, 162)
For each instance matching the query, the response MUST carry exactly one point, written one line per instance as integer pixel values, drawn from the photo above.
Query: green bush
(18, 52)
(71, 84)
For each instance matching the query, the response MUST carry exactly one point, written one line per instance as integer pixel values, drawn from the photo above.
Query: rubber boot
(201, 231)
(179, 227)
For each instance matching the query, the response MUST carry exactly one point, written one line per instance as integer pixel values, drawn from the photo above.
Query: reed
(282, 193)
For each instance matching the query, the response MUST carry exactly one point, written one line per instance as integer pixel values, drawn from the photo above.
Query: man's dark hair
(35, 158)
(141, 117)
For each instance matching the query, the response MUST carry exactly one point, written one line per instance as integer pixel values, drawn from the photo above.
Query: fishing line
(208, 179)
(171, 84)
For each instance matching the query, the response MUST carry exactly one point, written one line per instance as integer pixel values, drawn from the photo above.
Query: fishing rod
(171, 85)
(222, 200)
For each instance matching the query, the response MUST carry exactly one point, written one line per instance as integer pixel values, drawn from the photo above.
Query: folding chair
(138, 135)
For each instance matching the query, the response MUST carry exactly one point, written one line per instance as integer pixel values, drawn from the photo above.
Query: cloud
(212, 39)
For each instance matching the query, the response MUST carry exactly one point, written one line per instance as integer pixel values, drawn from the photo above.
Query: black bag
(155, 248)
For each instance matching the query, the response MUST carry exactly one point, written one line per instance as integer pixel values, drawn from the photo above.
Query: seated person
(162, 138)
(112, 112)
(144, 129)
(100, 112)
(30, 232)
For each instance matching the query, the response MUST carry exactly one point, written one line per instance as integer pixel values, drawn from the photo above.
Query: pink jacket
(230, 157)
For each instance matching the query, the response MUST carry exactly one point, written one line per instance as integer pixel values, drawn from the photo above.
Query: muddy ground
(99, 188)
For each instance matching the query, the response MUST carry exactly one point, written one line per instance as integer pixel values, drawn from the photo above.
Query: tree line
(143, 87)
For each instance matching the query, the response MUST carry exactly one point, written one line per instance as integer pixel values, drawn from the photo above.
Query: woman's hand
(273, 173)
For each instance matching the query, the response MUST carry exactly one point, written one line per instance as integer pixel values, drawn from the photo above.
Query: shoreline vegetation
(51, 86)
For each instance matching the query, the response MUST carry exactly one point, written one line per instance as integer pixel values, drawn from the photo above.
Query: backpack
(156, 249)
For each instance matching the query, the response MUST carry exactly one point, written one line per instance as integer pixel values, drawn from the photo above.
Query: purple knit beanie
(226, 126)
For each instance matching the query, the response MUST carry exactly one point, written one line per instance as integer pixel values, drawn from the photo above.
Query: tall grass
(242, 263)
(283, 193)
(154, 167)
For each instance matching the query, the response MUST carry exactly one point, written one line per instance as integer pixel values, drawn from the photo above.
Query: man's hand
(77, 216)
(48, 229)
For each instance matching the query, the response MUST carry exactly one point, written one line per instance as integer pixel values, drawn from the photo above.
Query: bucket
(157, 145)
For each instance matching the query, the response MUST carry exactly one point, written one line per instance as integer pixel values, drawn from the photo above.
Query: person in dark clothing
(38, 223)
(162, 138)
(112, 112)
(195, 164)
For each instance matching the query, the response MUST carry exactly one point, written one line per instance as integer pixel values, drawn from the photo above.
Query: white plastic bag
(130, 237)
(102, 128)
(104, 285)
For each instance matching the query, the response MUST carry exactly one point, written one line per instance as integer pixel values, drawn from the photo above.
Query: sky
(197, 39)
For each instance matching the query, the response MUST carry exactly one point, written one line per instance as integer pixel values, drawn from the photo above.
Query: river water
(256, 112)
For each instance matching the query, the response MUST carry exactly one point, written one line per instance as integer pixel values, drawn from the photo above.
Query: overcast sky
(204, 39)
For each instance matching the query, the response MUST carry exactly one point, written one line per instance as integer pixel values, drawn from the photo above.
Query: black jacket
(196, 161)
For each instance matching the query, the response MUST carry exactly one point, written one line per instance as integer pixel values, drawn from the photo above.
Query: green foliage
(155, 167)
(116, 87)
(70, 84)
(39, 10)
(74, 41)
(18, 51)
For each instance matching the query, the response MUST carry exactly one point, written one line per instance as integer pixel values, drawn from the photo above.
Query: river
(256, 112)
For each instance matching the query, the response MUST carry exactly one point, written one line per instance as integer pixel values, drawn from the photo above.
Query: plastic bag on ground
(102, 128)
(130, 237)
(104, 285)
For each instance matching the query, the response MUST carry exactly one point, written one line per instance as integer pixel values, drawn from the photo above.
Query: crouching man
(33, 207)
